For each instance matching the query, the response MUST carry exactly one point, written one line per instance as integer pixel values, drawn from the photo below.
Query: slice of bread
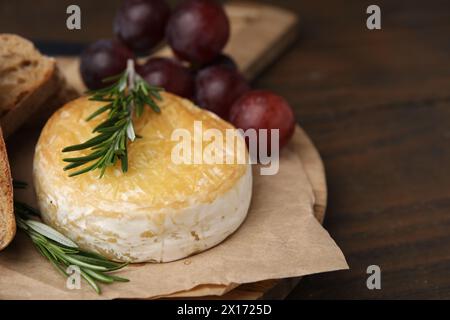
(28, 81)
(31, 89)
(7, 220)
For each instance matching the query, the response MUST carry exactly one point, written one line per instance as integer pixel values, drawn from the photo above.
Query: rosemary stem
(131, 71)
(53, 246)
(125, 99)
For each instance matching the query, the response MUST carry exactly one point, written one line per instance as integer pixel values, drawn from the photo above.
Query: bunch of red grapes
(197, 32)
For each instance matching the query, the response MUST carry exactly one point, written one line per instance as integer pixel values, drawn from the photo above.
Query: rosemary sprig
(63, 252)
(124, 99)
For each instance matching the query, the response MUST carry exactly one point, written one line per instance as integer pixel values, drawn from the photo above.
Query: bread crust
(7, 219)
(41, 99)
(30, 104)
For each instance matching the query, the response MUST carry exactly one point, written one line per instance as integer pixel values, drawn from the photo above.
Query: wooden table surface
(377, 106)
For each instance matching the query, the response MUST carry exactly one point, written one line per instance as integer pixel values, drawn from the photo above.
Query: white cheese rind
(143, 235)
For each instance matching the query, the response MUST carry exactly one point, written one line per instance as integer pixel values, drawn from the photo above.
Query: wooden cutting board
(279, 289)
(260, 33)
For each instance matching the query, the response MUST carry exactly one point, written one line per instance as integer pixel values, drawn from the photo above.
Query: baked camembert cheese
(158, 211)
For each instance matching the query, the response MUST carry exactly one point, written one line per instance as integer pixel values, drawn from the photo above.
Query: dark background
(377, 106)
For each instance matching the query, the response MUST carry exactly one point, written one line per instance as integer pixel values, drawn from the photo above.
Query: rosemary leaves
(63, 252)
(125, 99)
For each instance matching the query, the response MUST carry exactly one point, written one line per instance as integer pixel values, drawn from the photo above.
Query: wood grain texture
(376, 104)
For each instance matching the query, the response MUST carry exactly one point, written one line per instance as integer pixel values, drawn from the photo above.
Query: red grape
(141, 24)
(264, 110)
(218, 87)
(224, 60)
(198, 31)
(103, 59)
(170, 75)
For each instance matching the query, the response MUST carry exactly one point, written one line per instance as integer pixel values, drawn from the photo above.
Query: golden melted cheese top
(153, 180)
